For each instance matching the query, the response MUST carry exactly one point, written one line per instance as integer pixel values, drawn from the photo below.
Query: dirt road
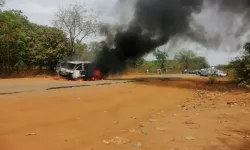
(10, 86)
(30, 85)
(149, 113)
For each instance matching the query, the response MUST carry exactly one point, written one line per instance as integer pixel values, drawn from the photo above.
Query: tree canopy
(77, 22)
(161, 58)
(95, 47)
(24, 44)
(185, 58)
(189, 60)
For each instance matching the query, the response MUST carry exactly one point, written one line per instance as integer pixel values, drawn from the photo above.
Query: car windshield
(68, 65)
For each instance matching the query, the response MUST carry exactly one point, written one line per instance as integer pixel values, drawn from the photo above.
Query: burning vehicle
(74, 70)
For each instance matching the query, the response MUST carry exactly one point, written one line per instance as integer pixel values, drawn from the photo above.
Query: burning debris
(96, 75)
(156, 22)
(79, 70)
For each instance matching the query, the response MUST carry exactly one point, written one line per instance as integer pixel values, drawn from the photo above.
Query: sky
(41, 12)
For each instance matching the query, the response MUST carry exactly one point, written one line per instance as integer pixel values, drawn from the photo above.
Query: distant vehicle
(220, 73)
(210, 71)
(205, 72)
(74, 70)
(189, 71)
(199, 72)
(185, 71)
(192, 72)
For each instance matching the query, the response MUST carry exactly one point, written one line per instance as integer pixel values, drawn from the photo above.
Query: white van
(74, 69)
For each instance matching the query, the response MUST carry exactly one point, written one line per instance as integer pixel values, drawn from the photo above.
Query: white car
(220, 73)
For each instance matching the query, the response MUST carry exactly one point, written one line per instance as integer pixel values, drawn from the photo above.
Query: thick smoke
(156, 22)
(222, 23)
(238, 7)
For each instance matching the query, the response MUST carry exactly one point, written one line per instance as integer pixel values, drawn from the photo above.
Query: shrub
(241, 67)
(212, 79)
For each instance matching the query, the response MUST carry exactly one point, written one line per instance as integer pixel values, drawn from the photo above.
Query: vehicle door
(80, 69)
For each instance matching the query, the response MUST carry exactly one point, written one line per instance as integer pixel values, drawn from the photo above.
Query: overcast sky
(41, 12)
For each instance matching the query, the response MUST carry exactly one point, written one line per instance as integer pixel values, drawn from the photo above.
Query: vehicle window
(79, 67)
(68, 65)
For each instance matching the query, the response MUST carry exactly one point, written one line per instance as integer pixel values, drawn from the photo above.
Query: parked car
(205, 72)
(198, 72)
(220, 73)
(193, 71)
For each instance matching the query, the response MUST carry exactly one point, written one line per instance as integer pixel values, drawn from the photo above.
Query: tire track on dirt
(86, 84)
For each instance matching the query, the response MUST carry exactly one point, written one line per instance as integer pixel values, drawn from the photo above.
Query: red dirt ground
(170, 114)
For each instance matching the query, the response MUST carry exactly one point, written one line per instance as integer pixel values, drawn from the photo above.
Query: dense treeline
(24, 44)
(182, 60)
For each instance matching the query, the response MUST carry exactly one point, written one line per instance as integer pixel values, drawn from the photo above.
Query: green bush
(241, 67)
(212, 79)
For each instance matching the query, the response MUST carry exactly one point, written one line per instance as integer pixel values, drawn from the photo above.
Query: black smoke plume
(240, 7)
(155, 22)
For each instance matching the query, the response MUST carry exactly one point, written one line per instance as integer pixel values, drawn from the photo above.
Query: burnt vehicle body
(74, 70)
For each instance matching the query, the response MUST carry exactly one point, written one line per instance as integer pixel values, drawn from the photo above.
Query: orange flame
(96, 75)
(80, 80)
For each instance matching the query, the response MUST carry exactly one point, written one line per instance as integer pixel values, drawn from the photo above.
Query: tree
(161, 58)
(77, 22)
(48, 46)
(241, 65)
(95, 47)
(81, 50)
(199, 62)
(13, 40)
(185, 58)
(139, 62)
(24, 45)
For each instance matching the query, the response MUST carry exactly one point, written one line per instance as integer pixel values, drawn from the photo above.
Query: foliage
(149, 65)
(172, 65)
(23, 44)
(189, 60)
(161, 58)
(200, 63)
(138, 63)
(185, 58)
(95, 47)
(81, 50)
(48, 45)
(241, 66)
(212, 79)
(13, 40)
(77, 21)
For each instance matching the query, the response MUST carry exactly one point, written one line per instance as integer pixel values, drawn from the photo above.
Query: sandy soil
(170, 113)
